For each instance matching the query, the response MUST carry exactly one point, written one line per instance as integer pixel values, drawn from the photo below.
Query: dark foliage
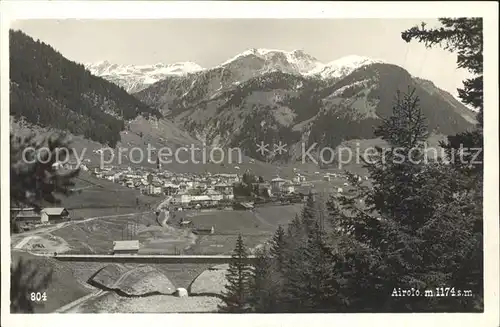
(26, 278)
(416, 214)
(33, 179)
(237, 294)
(463, 36)
(50, 90)
(33, 183)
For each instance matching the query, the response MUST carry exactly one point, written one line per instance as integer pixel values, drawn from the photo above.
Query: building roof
(201, 198)
(222, 185)
(27, 214)
(211, 192)
(126, 245)
(277, 179)
(53, 211)
(247, 205)
(22, 209)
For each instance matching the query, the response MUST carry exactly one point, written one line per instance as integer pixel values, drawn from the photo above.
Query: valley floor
(70, 280)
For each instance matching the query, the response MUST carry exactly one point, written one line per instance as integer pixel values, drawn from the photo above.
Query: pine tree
(237, 294)
(277, 248)
(321, 289)
(409, 232)
(464, 36)
(265, 284)
(309, 213)
(295, 273)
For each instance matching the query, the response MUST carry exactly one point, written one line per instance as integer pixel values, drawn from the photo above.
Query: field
(70, 280)
(255, 227)
(99, 197)
(97, 236)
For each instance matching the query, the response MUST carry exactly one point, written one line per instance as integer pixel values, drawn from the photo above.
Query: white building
(288, 188)
(126, 247)
(53, 215)
(276, 184)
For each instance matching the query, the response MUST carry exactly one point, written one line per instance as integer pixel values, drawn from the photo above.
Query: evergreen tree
(464, 36)
(396, 236)
(264, 284)
(321, 289)
(309, 214)
(34, 182)
(237, 294)
(308, 280)
(277, 248)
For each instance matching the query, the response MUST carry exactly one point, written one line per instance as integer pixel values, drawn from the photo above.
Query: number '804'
(38, 297)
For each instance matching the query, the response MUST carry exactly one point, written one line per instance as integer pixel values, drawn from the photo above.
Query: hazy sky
(209, 42)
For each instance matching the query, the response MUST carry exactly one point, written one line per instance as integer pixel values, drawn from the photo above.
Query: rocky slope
(49, 90)
(134, 78)
(272, 96)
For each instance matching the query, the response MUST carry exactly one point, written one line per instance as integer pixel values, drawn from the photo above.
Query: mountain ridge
(259, 95)
(135, 78)
(234, 106)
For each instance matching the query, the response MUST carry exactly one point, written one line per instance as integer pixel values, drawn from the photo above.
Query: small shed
(244, 206)
(49, 215)
(25, 215)
(126, 247)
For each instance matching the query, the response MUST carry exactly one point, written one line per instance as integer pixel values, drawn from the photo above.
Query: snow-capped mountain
(134, 78)
(243, 66)
(297, 62)
(342, 67)
(272, 95)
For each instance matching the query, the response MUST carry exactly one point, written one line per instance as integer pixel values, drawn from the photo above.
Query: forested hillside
(50, 90)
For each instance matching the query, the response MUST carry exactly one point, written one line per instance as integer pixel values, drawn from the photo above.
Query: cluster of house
(203, 190)
(24, 217)
(153, 182)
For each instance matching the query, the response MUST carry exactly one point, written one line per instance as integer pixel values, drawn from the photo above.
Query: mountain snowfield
(273, 95)
(134, 78)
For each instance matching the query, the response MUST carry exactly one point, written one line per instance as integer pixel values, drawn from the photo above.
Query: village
(190, 191)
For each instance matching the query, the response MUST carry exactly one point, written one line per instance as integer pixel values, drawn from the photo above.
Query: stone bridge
(180, 269)
(144, 259)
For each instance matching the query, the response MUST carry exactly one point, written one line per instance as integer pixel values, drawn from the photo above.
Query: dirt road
(22, 239)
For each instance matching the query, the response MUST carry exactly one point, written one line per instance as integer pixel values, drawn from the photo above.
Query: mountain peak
(136, 77)
(354, 60)
(343, 66)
